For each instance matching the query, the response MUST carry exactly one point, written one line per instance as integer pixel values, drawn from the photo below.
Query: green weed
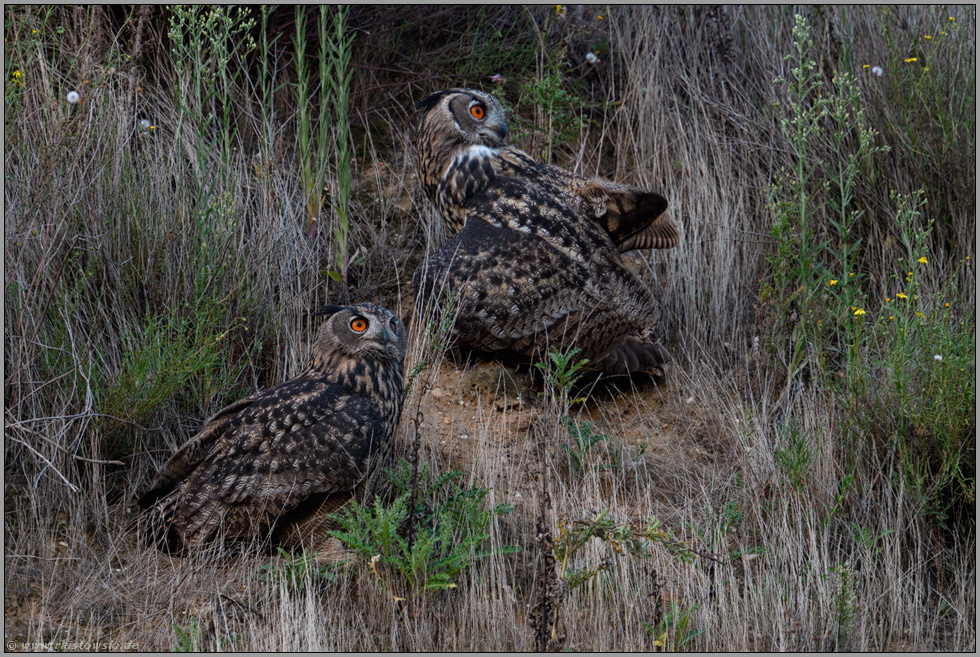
(794, 455)
(451, 527)
(189, 637)
(206, 42)
(561, 371)
(584, 438)
(297, 571)
(674, 632)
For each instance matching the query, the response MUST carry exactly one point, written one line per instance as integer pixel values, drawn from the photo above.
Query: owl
(276, 456)
(534, 260)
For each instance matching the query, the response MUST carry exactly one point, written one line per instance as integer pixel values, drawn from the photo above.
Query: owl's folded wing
(291, 442)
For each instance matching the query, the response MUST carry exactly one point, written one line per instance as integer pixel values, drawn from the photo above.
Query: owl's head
(464, 117)
(363, 331)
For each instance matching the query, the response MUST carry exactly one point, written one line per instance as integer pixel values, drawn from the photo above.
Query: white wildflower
(145, 124)
(591, 58)
(73, 97)
(937, 358)
(877, 71)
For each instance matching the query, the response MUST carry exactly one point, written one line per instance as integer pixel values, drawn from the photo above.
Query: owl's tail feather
(634, 356)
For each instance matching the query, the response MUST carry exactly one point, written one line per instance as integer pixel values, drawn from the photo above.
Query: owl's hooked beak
(493, 135)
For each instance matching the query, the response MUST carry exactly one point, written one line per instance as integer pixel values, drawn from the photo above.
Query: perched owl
(275, 456)
(534, 261)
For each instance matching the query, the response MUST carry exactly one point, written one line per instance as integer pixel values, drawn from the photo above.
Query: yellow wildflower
(859, 312)
(891, 317)
(919, 314)
(911, 59)
(833, 281)
(947, 304)
(866, 66)
(901, 295)
(928, 36)
(923, 261)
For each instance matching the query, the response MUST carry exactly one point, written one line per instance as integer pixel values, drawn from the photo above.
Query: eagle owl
(276, 456)
(534, 259)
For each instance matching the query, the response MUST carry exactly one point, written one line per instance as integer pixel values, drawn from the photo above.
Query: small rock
(446, 420)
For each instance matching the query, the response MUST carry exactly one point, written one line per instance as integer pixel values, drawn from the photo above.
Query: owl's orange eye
(358, 324)
(477, 111)
(393, 325)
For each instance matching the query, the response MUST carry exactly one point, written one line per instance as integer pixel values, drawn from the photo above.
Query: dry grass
(139, 299)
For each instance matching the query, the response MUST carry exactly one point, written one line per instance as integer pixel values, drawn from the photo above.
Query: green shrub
(412, 551)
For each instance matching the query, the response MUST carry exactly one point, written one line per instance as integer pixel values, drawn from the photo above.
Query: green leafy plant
(794, 455)
(559, 112)
(718, 525)
(902, 366)
(818, 291)
(561, 371)
(449, 536)
(189, 637)
(674, 633)
(297, 571)
(927, 354)
(562, 571)
(931, 91)
(206, 40)
(584, 438)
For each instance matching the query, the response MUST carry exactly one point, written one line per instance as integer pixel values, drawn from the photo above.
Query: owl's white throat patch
(463, 156)
(476, 152)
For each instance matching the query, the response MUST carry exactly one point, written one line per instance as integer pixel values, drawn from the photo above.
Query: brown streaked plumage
(535, 253)
(277, 455)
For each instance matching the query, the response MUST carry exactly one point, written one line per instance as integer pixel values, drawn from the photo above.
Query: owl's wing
(190, 455)
(633, 218)
(294, 441)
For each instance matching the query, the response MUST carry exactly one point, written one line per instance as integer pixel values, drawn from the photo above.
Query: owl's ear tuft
(431, 100)
(328, 310)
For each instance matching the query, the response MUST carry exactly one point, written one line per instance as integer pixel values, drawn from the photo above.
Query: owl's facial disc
(374, 332)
